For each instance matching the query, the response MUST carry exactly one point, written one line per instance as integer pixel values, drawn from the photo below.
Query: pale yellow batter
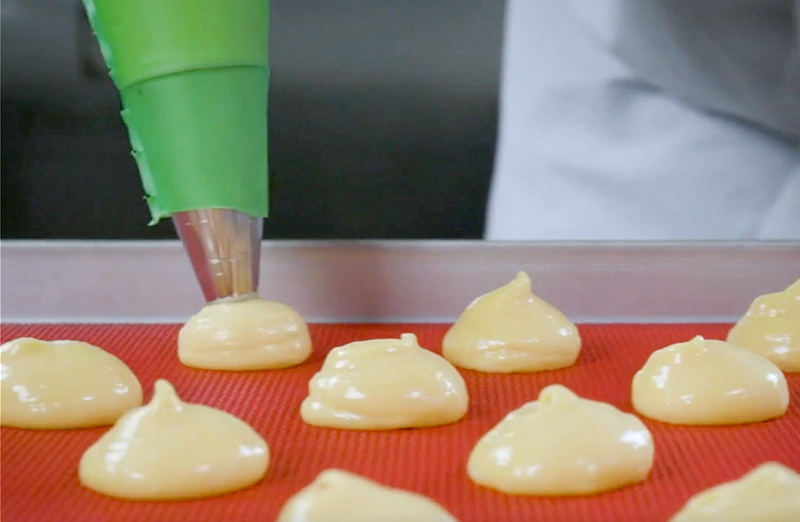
(769, 493)
(562, 444)
(771, 327)
(63, 384)
(385, 384)
(170, 449)
(339, 496)
(709, 382)
(512, 330)
(250, 334)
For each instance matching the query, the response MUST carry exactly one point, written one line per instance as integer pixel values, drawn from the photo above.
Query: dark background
(382, 117)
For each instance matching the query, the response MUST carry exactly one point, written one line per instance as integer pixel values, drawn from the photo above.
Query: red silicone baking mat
(39, 467)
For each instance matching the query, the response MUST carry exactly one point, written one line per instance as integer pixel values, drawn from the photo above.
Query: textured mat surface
(39, 477)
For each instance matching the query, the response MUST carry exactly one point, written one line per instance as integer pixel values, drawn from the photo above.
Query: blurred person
(648, 120)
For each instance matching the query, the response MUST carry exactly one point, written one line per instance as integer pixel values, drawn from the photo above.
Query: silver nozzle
(224, 247)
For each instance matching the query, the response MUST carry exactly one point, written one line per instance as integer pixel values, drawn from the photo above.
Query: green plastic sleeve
(193, 77)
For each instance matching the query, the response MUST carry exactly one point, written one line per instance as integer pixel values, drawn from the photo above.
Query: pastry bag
(193, 76)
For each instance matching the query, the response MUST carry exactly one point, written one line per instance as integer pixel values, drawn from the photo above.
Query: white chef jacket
(648, 120)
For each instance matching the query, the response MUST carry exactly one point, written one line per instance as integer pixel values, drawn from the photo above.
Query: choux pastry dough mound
(385, 384)
(769, 493)
(171, 450)
(562, 444)
(771, 328)
(339, 496)
(250, 334)
(512, 330)
(63, 385)
(707, 382)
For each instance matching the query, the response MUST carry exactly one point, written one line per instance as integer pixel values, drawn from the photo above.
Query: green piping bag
(193, 78)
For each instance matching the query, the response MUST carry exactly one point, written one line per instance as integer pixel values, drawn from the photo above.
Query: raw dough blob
(769, 493)
(512, 330)
(252, 334)
(339, 496)
(562, 444)
(709, 382)
(771, 328)
(63, 385)
(169, 450)
(385, 384)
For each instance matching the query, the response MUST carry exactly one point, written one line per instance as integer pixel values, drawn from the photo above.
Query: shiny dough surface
(385, 384)
(771, 327)
(512, 330)
(769, 493)
(562, 444)
(340, 496)
(709, 382)
(63, 384)
(170, 450)
(251, 334)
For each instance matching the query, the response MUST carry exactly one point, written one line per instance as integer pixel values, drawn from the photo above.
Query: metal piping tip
(224, 247)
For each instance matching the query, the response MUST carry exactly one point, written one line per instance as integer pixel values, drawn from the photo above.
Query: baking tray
(673, 292)
(40, 481)
(399, 281)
